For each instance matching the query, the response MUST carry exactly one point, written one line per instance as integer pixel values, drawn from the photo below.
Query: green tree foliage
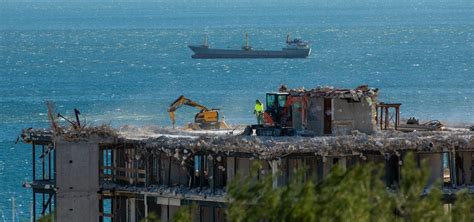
(358, 194)
(152, 217)
(184, 214)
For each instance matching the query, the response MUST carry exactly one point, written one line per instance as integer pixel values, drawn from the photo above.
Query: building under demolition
(125, 174)
(329, 111)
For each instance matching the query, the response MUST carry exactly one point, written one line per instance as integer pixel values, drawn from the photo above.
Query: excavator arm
(180, 102)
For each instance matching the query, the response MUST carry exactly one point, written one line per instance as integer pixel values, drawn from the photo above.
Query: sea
(123, 63)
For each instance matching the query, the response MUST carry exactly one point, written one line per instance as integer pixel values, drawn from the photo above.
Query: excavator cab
(207, 119)
(283, 116)
(275, 108)
(276, 117)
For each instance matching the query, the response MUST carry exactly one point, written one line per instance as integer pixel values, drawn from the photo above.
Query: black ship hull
(203, 52)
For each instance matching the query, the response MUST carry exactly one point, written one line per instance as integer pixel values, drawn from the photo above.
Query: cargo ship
(295, 48)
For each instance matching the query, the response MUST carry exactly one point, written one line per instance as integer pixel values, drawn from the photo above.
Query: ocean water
(123, 63)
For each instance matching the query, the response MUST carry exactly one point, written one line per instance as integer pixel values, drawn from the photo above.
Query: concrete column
(230, 169)
(274, 166)
(210, 171)
(467, 164)
(453, 169)
(327, 165)
(131, 210)
(77, 179)
(146, 207)
(164, 213)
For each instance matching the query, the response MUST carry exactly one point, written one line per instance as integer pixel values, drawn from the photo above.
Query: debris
(179, 143)
(331, 92)
(413, 121)
(413, 125)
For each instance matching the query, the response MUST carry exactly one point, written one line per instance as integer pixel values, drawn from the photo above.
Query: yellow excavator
(205, 119)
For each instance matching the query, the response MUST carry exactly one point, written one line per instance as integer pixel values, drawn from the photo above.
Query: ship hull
(201, 52)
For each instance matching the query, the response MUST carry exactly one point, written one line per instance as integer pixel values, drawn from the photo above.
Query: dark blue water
(124, 63)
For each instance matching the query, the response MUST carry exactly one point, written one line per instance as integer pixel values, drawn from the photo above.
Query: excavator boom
(185, 101)
(180, 102)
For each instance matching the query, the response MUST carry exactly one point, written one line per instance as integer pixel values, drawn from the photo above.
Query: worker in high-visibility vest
(258, 111)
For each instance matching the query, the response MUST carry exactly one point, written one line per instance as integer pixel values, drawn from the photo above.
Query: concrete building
(330, 111)
(100, 173)
(126, 178)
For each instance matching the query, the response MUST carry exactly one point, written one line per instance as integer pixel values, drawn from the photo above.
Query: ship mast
(246, 40)
(205, 41)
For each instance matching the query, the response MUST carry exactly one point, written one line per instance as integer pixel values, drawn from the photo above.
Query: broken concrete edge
(178, 142)
(220, 195)
(178, 192)
(71, 134)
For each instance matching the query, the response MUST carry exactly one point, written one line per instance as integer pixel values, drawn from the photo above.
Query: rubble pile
(102, 131)
(140, 133)
(68, 133)
(273, 147)
(31, 135)
(179, 142)
(362, 91)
